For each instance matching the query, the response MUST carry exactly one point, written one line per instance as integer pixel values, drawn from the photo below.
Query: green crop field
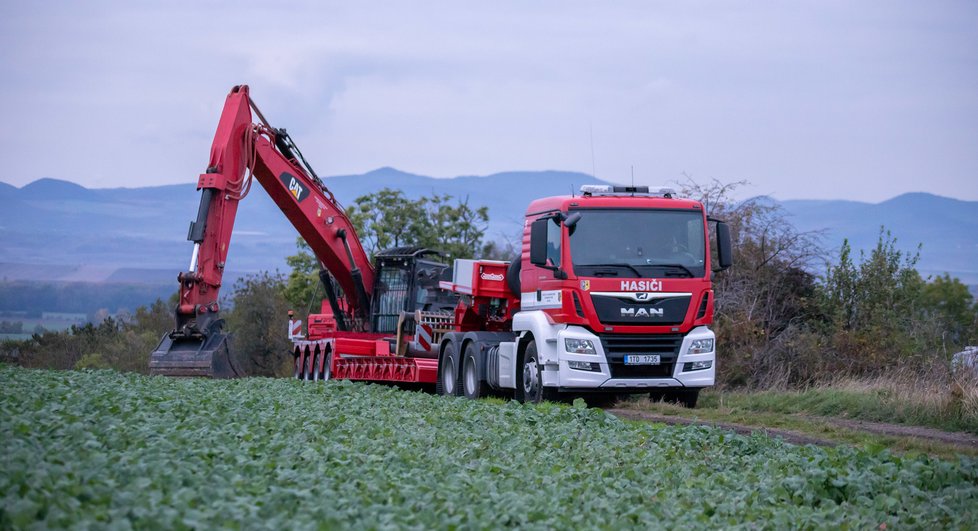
(105, 449)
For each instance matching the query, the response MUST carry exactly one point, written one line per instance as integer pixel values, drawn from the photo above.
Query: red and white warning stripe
(423, 334)
(295, 328)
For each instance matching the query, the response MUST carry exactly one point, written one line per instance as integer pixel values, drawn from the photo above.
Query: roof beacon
(605, 189)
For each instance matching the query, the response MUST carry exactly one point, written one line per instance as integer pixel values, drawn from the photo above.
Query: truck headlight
(697, 365)
(584, 366)
(701, 346)
(579, 346)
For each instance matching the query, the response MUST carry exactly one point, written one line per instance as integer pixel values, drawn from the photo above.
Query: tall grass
(899, 398)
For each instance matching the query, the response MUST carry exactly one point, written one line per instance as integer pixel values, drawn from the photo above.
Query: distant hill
(57, 230)
(946, 229)
(75, 233)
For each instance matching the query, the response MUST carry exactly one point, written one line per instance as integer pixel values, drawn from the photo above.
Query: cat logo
(298, 191)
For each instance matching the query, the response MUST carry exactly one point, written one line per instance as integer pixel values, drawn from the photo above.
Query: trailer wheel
(530, 389)
(306, 370)
(302, 365)
(448, 372)
(472, 386)
(327, 369)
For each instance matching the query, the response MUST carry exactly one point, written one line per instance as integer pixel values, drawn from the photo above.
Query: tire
(327, 368)
(513, 276)
(302, 366)
(449, 376)
(307, 367)
(472, 386)
(313, 368)
(529, 388)
(601, 400)
(688, 397)
(296, 371)
(683, 397)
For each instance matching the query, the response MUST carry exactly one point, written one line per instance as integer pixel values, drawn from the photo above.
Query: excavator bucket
(203, 356)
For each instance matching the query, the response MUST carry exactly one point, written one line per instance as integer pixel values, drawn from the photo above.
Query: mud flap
(201, 356)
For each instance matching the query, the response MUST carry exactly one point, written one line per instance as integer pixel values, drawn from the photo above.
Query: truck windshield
(639, 243)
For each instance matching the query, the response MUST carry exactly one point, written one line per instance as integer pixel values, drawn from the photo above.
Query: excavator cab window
(405, 283)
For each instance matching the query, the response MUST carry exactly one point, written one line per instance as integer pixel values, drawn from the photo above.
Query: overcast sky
(857, 100)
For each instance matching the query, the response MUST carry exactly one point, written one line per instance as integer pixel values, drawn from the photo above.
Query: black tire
(601, 400)
(302, 367)
(449, 376)
(687, 397)
(327, 369)
(309, 366)
(296, 371)
(529, 385)
(513, 276)
(683, 397)
(473, 387)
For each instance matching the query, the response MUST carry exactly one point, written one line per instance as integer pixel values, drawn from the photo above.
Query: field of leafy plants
(117, 450)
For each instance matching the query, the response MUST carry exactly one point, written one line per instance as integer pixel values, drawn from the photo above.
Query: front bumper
(562, 376)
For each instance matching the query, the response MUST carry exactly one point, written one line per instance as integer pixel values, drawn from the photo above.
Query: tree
(387, 219)
(302, 285)
(456, 231)
(258, 322)
(873, 308)
(947, 300)
(765, 299)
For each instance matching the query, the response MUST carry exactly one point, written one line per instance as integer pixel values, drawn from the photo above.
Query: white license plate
(642, 359)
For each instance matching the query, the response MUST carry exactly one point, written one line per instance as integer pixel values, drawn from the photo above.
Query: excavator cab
(406, 281)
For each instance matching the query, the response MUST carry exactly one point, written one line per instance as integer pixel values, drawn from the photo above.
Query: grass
(952, 408)
(913, 403)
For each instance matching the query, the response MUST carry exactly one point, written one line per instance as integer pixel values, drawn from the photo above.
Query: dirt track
(963, 440)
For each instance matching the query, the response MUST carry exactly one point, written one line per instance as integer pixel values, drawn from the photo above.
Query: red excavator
(612, 292)
(242, 151)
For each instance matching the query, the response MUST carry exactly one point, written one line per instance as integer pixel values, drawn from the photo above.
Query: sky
(804, 100)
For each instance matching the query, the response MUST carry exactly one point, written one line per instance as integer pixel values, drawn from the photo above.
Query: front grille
(665, 345)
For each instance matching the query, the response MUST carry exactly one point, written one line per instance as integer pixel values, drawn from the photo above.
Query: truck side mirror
(724, 247)
(538, 242)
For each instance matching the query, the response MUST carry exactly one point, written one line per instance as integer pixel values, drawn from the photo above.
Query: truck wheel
(448, 373)
(472, 386)
(683, 397)
(327, 370)
(687, 397)
(530, 389)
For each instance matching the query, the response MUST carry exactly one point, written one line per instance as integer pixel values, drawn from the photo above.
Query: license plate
(642, 359)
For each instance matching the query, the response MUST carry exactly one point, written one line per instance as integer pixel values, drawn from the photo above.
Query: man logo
(643, 312)
(292, 184)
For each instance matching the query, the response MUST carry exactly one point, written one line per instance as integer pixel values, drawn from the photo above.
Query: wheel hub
(531, 377)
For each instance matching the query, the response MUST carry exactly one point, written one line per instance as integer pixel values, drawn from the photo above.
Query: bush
(258, 324)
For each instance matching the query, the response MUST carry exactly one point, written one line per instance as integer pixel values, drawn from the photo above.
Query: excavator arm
(242, 151)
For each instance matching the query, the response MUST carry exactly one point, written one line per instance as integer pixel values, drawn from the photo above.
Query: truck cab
(616, 291)
(614, 295)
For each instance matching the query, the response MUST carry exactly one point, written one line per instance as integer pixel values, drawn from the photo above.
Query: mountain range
(57, 230)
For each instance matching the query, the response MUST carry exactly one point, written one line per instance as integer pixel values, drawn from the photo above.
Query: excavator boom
(243, 150)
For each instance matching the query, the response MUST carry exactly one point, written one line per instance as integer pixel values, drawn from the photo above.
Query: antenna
(572, 191)
(633, 175)
(594, 170)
